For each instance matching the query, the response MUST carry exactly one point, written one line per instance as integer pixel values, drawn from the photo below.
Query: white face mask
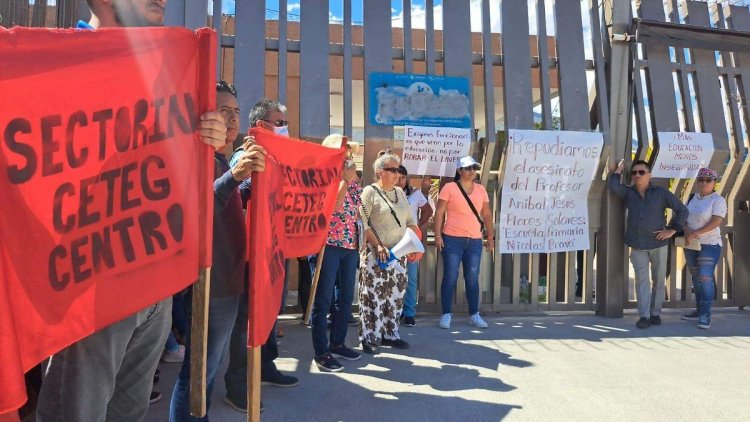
(281, 130)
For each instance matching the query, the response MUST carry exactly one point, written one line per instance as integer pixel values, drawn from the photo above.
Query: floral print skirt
(381, 299)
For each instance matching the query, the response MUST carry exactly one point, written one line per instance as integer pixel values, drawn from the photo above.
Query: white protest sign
(544, 206)
(682, 154)
(434, 151)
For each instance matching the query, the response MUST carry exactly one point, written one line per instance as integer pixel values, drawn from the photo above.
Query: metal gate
(553, 66)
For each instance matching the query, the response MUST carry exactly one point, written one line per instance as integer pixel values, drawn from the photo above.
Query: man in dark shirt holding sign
(647, 234)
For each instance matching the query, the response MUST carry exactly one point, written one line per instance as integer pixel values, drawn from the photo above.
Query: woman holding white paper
(707, 210)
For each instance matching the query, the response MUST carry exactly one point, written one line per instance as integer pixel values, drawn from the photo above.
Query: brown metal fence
(316, 65)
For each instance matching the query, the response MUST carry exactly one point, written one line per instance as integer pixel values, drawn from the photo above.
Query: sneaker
(396, 343)
(174, 357)
(328, 363)
(655, 320)
(155, 397)
(370, 348)
(408, 321)
(477, 321)
(344, 352)
(445, 321)
(704, 322)
(278, 379)
(242, 408)
(643, 322)
(690, 316)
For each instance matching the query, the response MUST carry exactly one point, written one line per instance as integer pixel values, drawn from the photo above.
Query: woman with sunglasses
(459, 236)
(707, 210)
(385, 216)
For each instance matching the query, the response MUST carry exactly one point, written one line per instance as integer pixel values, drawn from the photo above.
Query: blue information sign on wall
(398, 99)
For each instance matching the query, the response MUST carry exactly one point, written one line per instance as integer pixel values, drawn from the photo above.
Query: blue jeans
(410, 297)
(339, 262)
(222, 312)
(459, 250)
(702, 265)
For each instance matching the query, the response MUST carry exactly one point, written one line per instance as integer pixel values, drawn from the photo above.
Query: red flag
(289, 215)
(100, 173)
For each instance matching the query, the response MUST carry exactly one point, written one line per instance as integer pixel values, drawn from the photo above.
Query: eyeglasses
(474, 167)
(277, 123)
(704, 180)
(393, 170)
(638, 172)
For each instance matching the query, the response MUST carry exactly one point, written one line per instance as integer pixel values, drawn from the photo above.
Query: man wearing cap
(647, 234)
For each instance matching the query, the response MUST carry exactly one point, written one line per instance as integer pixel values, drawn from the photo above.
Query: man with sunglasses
(268, 114)
(647, 234)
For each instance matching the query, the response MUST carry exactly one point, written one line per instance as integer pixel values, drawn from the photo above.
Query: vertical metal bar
(517, 66)
(217, 26)
(738, 18)
(570, 53)
(516, 279)
(314, 83)
(457, 54)
(489, 93)
(544, 65)
(39, 16)
(612, 273)
(283, 23)
(588, 274)
(574, 103)
(249, 54)
(196, 14)
(378, 58)
(348, 68)
(659, 81)
(174, 14)
(408, 52)
(708, 89)
(429, 33)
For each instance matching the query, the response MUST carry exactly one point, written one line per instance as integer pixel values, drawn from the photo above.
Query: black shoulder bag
(471, 205)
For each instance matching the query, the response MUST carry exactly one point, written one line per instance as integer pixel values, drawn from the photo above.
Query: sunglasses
(704, 180)
(277, 123)
(393, 170)
(638, 172)
(474, 167)
(226, 87)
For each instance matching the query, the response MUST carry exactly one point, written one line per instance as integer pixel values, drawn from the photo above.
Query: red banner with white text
(107, 194)
(290, 211)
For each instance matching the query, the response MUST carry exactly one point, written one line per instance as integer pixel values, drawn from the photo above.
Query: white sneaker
(445, 321)
(176, 356)
(477, 321)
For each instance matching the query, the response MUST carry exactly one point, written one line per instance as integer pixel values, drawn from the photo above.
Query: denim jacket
(646, 213)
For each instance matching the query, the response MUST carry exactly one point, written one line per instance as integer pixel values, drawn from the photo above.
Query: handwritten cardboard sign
(682, 154)
(547, 178)
(434, 151)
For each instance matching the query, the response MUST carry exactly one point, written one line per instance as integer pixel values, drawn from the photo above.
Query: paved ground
(562, 367)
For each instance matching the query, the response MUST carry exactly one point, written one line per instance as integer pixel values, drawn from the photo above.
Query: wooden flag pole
(253, 384)
(198, 339)
(314, 287)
